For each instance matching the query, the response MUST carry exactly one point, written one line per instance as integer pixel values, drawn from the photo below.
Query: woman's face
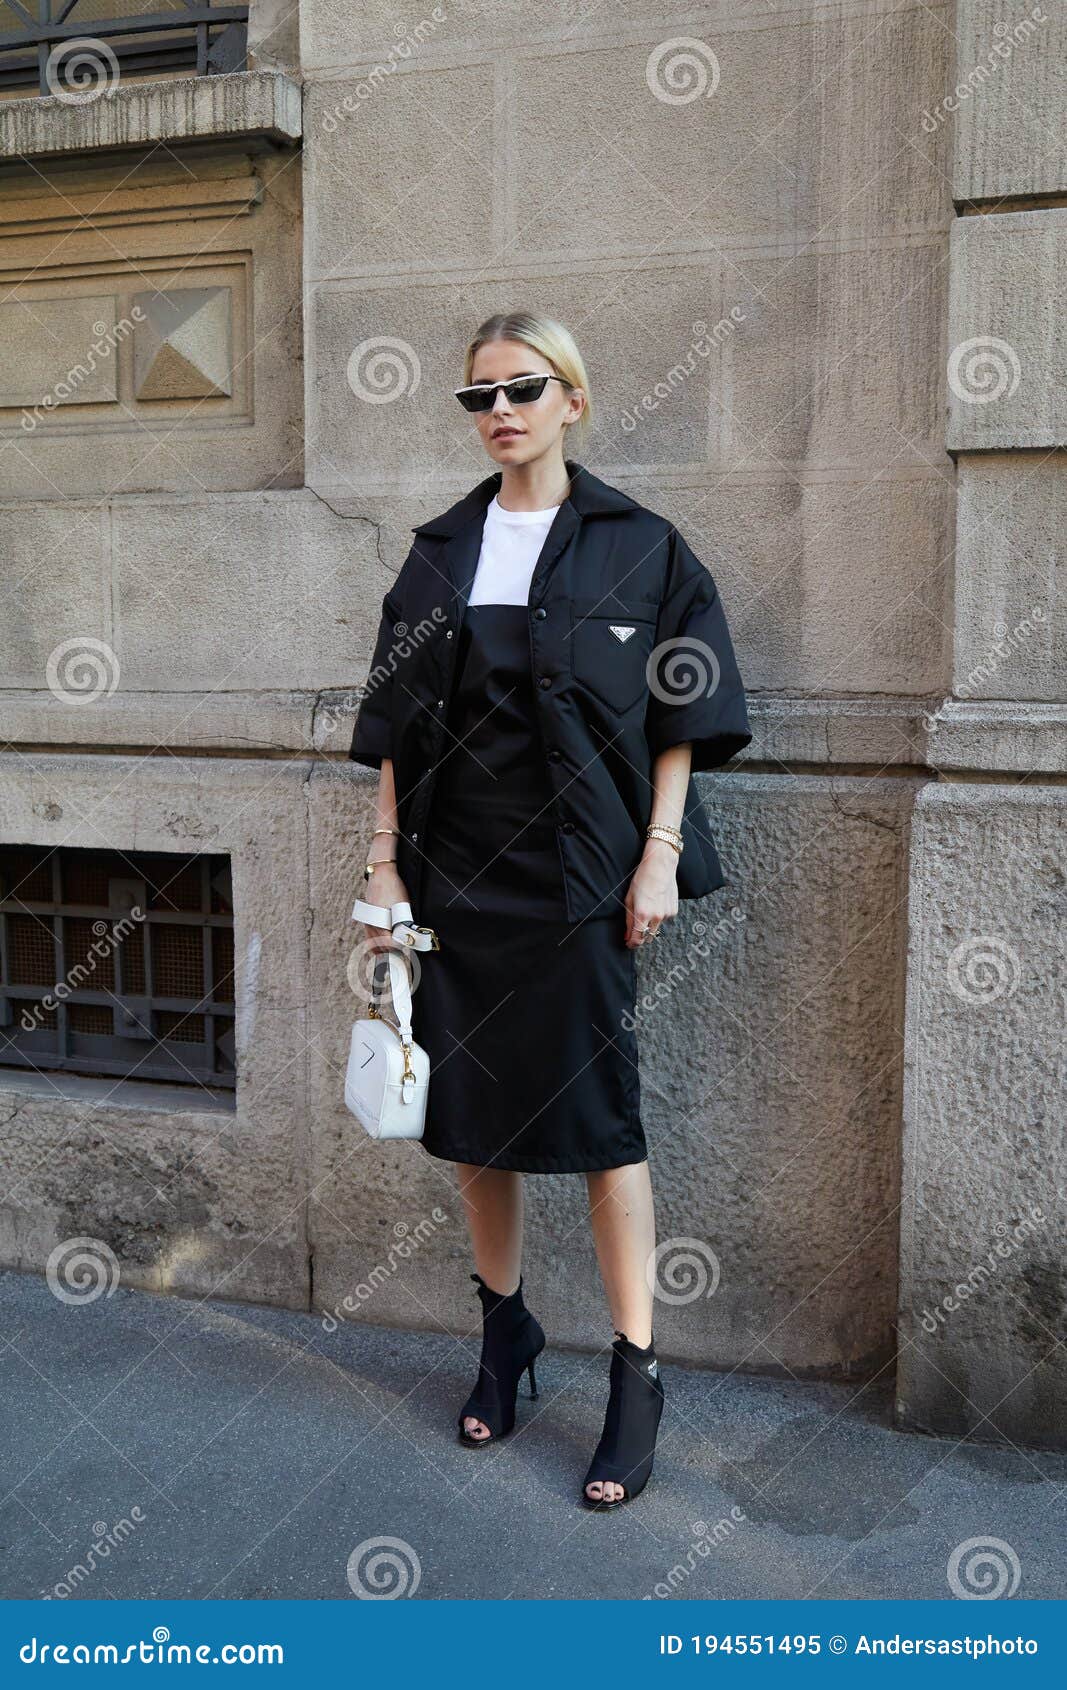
(518, 434)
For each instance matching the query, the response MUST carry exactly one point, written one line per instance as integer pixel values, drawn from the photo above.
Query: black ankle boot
(511, 1342)
(628, 1442)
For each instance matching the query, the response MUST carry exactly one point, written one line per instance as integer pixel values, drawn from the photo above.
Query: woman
(536, 808)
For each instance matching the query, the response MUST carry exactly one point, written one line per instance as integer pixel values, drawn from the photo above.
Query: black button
(540, 613)
(567, 827)
(554, 756)
(544, 681)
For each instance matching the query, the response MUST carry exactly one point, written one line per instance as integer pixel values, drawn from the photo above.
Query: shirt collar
(589, 495)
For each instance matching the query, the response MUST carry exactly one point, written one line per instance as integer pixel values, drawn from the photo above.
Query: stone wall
(984, 1266)
(774, 247)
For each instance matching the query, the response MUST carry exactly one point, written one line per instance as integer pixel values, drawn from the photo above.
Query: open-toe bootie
(511, 1342)
(628, 1442)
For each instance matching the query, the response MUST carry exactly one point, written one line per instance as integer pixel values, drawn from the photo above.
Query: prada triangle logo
(622, 634)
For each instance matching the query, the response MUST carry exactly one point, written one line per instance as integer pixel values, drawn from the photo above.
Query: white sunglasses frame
(513, 381)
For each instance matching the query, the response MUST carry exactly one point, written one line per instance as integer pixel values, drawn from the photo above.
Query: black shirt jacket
(606, 706)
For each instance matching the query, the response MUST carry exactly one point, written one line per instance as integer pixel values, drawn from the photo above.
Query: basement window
(117, 963)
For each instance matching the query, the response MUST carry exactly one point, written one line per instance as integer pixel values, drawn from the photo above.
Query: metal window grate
(47, 46)
(116, 963)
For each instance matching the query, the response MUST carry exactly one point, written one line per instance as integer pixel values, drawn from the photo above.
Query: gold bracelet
(385, 830)
(378, 862)
(669, 835)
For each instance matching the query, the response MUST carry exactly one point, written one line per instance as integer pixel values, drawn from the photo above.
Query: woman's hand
(384, 887)
(652, 896)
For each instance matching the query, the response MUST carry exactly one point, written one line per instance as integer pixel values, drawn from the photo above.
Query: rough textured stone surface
(1010, 126)
(770, 395)
(33, 366)
(417, 190)
(217, 218)
(231, 593)
(1011, 580)
(781, 304)
(271, 589)
(1007, 356)
(197, 1200)
(54, 585)
(772, 261)
(770, 1073)
(984, 1111)
(205, 721)
(274, 36)
(1025, 739)
(864, 734)
(832, 587)
(247, 103)
(810, 119)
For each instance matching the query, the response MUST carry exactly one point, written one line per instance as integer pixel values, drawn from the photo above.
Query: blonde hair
(546, 336)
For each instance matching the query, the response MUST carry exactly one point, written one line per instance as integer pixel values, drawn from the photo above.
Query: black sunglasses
(520, 390)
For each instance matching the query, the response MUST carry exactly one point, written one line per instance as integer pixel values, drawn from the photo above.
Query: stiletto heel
(511, 1342)
(627, 1444)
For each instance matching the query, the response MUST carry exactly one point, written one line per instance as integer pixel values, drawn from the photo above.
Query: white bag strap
(397, 918)
(400, 991)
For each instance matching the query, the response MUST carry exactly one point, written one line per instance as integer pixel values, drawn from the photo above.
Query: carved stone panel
(182, 345)
(146, 308)
(43, 345)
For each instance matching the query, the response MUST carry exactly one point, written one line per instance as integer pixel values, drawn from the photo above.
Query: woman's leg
(492, 1198)
(623, 1219)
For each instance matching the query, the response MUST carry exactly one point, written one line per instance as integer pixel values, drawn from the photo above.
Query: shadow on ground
(221, 1450)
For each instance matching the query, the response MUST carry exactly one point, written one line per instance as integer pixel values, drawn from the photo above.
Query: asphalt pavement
(162, 1447)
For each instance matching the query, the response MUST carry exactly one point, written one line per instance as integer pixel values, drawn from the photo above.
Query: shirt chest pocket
(610, 648)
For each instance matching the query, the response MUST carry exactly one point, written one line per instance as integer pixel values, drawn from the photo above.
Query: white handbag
(388, 1074)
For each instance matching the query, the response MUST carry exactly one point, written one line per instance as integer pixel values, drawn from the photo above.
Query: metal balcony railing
(51, 46)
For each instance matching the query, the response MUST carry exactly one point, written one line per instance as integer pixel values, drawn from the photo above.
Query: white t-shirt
(511, 545)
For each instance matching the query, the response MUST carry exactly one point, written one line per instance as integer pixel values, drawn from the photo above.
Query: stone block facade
(813, 257)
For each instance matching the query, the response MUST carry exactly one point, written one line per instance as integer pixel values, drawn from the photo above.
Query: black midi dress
(523, 1013)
